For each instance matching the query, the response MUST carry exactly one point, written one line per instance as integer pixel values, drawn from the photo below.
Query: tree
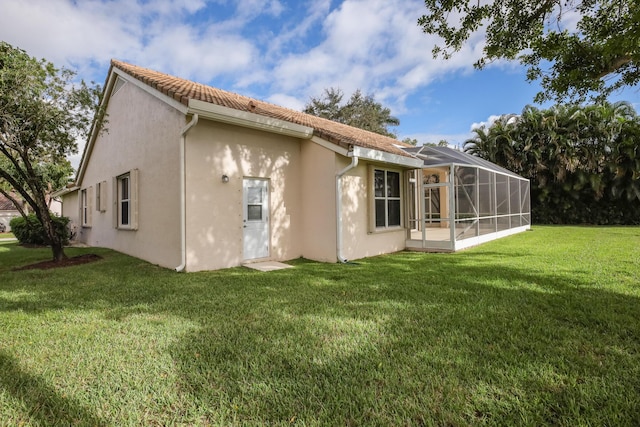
(583, 161)
(42, 114)
(600, 55)
(360, 111)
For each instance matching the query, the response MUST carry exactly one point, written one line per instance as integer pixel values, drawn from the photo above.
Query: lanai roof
(444, 156)
(183, 90)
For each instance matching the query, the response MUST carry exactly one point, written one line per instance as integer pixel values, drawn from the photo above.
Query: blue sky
(282, 51)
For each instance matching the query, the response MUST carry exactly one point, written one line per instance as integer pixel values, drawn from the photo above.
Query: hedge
(30, 230)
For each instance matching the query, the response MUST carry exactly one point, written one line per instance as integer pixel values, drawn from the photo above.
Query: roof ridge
(181, 90)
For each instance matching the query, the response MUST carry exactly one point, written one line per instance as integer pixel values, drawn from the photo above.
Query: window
(387, 201)
(85, 209)
(124, 206)
(125, 195)
(254, 203)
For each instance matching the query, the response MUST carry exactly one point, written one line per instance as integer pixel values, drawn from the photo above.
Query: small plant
(28, 230)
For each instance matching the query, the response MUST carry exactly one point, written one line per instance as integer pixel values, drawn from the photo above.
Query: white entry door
(255, 201)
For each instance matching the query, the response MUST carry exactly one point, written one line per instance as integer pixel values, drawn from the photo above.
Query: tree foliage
(42, 114)
(29, 230)
(596, 57)
(583, 162)
(361, 111)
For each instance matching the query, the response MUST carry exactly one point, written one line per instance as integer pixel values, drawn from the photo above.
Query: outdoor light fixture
(225, 179)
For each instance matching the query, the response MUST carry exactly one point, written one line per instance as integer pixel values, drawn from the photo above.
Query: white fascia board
(330, 146)
(151, 91)
(116, 72)
(64, 191)
(442, 165)
(94, 132)
(384, 157)
(246, 119)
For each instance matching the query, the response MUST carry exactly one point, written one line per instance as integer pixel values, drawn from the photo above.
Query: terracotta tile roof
(6, 204)
(182, 90)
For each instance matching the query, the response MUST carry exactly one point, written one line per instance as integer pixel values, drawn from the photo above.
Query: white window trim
(373, 228)
(132, 177)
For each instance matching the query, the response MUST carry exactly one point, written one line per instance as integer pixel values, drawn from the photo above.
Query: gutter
(183, 217)
(247, 119)
(354, 163)
(65, 191)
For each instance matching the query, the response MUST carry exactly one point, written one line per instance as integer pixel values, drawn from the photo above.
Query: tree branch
(15, 202)
(615, 65)
(16, 186)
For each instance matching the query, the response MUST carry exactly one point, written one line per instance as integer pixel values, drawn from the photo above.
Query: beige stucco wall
(358, 240)
(71, 209)
(214, 232)
(142, 133)
(6, 217)
(302, 198)
(319, 166)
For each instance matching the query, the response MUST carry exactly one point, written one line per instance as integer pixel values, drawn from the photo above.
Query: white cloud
(284, 52)
(373, 45)
(183, 51)
(66, 33)
(86, 35)
(487, 123)
(287, 101)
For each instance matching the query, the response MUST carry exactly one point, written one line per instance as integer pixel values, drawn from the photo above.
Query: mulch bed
(68, 262)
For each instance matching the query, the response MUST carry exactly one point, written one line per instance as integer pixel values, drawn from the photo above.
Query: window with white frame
(387, 210)
(126, 200)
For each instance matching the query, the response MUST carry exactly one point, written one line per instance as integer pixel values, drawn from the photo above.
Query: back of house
(191, 177)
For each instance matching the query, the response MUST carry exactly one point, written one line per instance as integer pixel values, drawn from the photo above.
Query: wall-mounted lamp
(225, 179)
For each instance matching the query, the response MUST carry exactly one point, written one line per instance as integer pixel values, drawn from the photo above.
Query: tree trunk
(42, 212)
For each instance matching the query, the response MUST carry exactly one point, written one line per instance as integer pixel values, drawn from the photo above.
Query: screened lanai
(458, 200)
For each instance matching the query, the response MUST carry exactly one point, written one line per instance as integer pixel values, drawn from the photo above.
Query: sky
(284, 52)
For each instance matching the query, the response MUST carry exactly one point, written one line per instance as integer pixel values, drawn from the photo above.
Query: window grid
(85, 207)
(124, 205)
(387, 198)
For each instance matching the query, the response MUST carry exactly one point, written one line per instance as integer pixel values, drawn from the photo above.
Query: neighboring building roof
(6, 204)
(441, 156)
(183, 90)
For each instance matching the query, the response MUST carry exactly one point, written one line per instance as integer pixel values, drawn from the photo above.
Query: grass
(535, 329)
(8, 235)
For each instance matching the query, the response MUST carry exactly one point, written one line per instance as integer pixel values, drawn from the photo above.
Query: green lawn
(535, 329)
(6, 235)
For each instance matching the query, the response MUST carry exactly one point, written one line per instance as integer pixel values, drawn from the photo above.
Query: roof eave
(246, 119)
(65, 191)
(385, 157)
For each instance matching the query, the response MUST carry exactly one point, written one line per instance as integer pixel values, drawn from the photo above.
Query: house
(193, 178)
(8, 211)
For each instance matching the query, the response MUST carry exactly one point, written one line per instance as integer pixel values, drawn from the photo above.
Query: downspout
(354, 163)
(183, 219)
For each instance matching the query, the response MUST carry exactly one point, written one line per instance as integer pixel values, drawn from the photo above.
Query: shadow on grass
(43, 404)
(405, 339)
(395, 342)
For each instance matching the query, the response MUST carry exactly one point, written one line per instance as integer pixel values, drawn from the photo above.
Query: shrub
(30, 230)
